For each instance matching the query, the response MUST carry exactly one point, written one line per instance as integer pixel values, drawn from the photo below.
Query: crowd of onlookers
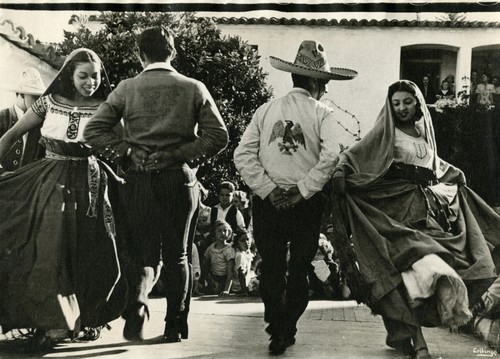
(484, 90)
(225, 259)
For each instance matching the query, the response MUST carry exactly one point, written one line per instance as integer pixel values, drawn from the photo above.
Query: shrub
(468, 137)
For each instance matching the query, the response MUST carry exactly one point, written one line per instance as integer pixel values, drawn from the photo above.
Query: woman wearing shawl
(59, 270)
(423, 240)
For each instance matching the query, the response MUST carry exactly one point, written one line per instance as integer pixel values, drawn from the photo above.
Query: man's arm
(243, 282)
(247, 162)
(229, 278)
(99, 131)
(240, 221)
(213, 135)
(332, 136)
(29, 121)
(5, 119)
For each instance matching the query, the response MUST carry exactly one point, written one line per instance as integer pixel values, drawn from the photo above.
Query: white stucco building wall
(12, 61)
(373, 51)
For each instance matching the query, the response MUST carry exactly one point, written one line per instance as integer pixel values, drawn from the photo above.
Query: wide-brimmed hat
(311, 61)
(29, 82)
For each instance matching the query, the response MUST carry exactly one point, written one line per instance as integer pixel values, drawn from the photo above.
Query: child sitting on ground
(242, 272)
(202, 237)
(324, 276)
(218, 263)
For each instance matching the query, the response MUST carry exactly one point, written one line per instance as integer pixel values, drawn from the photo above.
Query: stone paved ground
(233, 327)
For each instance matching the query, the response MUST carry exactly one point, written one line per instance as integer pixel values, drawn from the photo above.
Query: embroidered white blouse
(62, 122)
(412, 150)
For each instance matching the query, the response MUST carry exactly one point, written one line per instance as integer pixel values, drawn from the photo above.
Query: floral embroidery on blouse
(63, 121)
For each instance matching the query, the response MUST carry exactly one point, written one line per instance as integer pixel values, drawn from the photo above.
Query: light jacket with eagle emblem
(292, 140)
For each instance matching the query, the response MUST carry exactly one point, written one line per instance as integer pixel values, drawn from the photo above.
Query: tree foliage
(227, 65)
(469, 138)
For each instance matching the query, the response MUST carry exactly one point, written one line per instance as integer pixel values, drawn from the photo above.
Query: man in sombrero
(286, 156)
(28, 88)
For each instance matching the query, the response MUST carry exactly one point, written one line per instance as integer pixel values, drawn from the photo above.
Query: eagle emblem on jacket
(291, 136)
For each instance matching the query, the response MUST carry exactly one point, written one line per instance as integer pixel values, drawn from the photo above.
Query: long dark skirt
(392, 229)
(59, 266)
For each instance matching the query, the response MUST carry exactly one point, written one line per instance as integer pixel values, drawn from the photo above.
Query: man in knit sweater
(286, 155)
(171, 124)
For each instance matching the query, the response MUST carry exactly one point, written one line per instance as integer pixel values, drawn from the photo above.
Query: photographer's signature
(484, 352)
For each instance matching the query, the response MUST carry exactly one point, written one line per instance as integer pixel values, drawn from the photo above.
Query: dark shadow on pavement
(19, 348)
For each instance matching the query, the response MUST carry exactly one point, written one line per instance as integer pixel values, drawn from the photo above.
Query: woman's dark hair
(445, 81)
(64, 85)
(406, 87)
(157, 43)
(237, 235)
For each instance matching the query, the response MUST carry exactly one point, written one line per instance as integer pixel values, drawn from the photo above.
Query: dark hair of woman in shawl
(63, 83)
(404, 86)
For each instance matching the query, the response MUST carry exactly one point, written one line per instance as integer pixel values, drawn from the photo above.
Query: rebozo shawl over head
(59, 83)
(371, 157)
(311, 61)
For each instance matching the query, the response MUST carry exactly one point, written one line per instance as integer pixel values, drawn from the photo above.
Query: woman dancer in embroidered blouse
(59, 270)
(422, 238)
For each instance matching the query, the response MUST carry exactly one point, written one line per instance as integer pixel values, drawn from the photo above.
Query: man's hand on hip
(277, 197)
(163, 159)
(294, 197)
(138, 156)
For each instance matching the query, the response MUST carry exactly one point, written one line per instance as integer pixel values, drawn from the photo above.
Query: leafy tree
(227, 65)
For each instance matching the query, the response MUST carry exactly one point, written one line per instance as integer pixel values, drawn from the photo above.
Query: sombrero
(29, 82)
(311, 61)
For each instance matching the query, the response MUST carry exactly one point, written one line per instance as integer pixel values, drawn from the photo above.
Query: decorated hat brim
(24, 91)
(334, 74)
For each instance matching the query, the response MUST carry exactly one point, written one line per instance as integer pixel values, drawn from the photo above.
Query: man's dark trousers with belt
(286, 297)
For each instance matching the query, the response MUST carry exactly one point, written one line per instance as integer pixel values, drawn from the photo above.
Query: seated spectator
(218, 263)
(225, 210)
(202, 237)
(324, 277)
(242, 273)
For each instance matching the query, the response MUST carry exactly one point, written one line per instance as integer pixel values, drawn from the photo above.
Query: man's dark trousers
(286, 297)
(160, 208)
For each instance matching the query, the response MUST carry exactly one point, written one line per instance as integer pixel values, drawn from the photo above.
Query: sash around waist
(412, 173)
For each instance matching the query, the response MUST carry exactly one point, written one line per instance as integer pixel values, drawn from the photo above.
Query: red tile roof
(18, 36)
(353, 22)
(48, 52)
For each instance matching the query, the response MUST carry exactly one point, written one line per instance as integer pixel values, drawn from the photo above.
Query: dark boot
(183, 325)
(172, 333)
(134, 322)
